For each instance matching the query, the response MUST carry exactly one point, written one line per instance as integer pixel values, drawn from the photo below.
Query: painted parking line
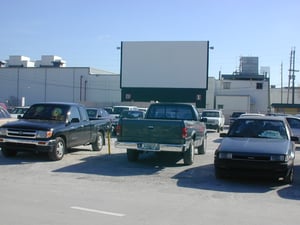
(97, 211)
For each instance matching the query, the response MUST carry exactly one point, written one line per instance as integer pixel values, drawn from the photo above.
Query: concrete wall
(73, 84)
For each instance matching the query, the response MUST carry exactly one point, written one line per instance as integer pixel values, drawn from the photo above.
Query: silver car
(294, 123)
(257, 146)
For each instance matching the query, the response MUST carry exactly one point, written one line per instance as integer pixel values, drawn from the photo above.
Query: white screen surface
(164, 64)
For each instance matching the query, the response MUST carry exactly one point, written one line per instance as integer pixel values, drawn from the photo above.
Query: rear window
(170, 112)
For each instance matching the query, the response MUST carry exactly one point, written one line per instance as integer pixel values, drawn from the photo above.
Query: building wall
(99, 88)
(233, 103)
(210, 93)
(73, 84)
(284, 96)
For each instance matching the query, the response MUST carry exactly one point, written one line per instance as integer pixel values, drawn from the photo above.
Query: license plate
(148, 146)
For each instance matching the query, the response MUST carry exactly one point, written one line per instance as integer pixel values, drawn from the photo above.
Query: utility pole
(281, 70)
(292, 75)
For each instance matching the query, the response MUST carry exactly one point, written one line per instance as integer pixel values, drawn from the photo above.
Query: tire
(8, 153)
(132, 155)
(59, 150)
(99, 142)
(202, 148)
(290, 177)
(188, 155)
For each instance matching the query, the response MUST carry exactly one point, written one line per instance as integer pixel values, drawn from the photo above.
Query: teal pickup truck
(173, 127)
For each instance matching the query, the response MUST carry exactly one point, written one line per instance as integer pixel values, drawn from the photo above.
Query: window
(226, 85)
(259, 85)
(83, 114)
(74, 113)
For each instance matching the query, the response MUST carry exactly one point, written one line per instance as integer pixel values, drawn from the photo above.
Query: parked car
(109, 109)
(132, 114)
(117, 110)
(253, 114)
(294, 123)
(215, 119)
(52, 127)
(5, 116)
(3, 105)
(166, 127)
(18, 111)
(99, 114)
(234, 116)
(259, 146)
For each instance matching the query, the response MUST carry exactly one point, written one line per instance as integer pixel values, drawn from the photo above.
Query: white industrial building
(49, 79)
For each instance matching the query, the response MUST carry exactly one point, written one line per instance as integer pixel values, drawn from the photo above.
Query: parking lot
(88, 187)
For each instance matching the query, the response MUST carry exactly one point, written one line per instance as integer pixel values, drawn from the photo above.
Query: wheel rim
(192, 152)
(59, 149)
(100, 141)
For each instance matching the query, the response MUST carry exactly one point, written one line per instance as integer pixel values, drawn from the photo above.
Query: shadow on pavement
(118, 165)
(203, 177)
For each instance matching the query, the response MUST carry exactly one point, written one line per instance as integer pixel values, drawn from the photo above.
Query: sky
(87, 33)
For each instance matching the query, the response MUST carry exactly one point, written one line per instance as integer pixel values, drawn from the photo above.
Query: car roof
(289, 116)
(279, 118)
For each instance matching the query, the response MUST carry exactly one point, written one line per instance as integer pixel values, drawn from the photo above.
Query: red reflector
(184, 132)
(1, 140)
(118, 129)
(42, 143)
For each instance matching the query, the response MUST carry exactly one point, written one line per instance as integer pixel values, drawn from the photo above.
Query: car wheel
(202, 147)
(132, 155)
(188, 155)
(59, 150)
(99, 142)
(290, 177)
(8, 153)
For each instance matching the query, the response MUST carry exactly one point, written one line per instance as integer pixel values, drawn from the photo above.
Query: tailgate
(152, 131)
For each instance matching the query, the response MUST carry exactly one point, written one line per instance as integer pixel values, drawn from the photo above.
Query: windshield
(19, 110)
(210, 114)
(47, 112)
(257, 128)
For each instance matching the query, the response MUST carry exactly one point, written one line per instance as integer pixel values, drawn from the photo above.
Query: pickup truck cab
(52, 128)
(173, 127)
(215, 119)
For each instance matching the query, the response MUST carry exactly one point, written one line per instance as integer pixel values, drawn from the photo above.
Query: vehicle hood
(255, 145)
(35, 124)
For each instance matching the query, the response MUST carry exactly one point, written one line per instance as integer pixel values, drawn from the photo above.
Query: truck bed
(151, 131)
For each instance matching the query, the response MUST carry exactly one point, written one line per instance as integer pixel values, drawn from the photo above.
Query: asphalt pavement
(88, 188)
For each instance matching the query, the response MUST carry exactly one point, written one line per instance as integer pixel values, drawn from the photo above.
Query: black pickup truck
(173, 127)
(53, 128)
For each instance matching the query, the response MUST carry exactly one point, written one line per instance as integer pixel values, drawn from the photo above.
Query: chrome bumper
(162, 147)
(28, 141)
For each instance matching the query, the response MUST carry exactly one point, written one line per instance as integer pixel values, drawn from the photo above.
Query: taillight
(184, 132)
(118, 130)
